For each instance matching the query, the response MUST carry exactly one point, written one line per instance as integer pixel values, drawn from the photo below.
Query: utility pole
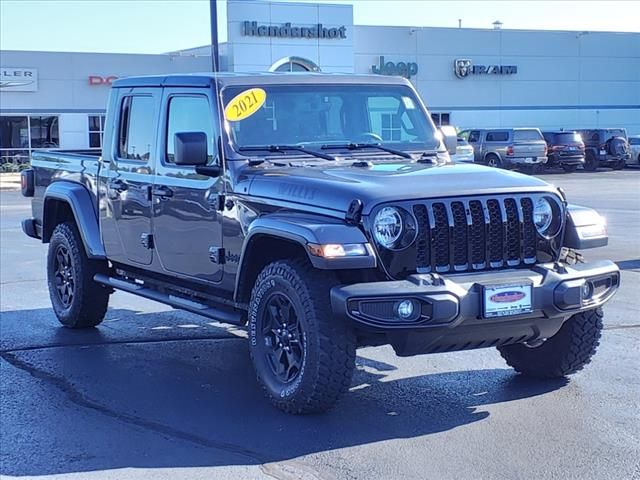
(215, 58)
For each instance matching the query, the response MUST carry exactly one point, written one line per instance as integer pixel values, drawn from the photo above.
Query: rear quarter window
(526, 136)
(497, 136)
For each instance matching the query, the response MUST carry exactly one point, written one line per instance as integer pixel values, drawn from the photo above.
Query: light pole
(215, 58)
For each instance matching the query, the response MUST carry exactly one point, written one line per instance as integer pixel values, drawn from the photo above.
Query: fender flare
(304, 230)
(585, 228)
(82, 206)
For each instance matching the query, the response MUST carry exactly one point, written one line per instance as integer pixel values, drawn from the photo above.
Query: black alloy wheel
(65, 282)
(283, 338)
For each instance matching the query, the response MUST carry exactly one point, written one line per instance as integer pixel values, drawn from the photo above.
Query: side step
(174, 301)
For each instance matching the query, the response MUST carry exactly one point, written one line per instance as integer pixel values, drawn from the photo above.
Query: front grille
(474, 234)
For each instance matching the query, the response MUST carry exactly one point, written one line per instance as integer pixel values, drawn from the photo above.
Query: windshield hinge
(354, 213)
(220, 200)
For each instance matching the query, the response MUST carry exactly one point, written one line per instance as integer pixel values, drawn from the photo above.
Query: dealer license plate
(505, 300)
(529, 160)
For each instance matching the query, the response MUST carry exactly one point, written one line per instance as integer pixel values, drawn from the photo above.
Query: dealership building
(490, 77)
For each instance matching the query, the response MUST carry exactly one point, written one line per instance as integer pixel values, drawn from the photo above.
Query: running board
(174, 301)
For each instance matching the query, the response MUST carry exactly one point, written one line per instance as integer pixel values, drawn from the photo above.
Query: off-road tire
(619, 165)
(570, 256)
(567, 352)
(329, 343)
(590, 162)
(569, 168)
(88, 304)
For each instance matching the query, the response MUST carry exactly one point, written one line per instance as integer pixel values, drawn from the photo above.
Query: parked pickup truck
(521, 148)
(322, 212)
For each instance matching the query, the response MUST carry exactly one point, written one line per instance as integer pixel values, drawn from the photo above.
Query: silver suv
(522, 148)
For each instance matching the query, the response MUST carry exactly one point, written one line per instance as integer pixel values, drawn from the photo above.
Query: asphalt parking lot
(154, 391)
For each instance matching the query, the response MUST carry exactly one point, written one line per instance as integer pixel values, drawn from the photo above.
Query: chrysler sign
(18, 79)
(463, 67)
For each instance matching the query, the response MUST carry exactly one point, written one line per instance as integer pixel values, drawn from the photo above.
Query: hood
(334, 186)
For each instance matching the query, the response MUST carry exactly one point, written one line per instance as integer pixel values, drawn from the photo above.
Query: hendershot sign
(463, 67)
(18, 79)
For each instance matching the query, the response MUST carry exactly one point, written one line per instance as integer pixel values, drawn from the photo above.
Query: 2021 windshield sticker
(245, 104)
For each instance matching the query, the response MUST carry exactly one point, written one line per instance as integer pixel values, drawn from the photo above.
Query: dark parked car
(565, 150)
(324, 213)
(605, 147)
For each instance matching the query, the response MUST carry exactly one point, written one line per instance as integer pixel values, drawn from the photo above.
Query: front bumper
(451, 313)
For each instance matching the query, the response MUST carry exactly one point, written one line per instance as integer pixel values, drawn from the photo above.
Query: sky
(157, 26)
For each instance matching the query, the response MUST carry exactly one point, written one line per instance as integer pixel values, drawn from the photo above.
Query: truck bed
(77, 166)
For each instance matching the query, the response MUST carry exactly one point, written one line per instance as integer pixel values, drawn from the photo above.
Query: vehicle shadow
(193, 402)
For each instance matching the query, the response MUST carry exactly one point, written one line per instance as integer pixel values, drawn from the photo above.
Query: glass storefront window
(14, 132)
(19, 135)
(44, 132)
(96, 130)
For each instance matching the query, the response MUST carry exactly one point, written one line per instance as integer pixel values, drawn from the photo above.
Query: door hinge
(146, 239)
(217, 255)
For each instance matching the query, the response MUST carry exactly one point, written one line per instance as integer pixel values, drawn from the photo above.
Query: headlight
(387, 226)
(542, 215)
(394, 228)
(547, 217)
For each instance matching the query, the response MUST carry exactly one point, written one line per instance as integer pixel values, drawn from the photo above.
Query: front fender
(82, 206)
(316, 230)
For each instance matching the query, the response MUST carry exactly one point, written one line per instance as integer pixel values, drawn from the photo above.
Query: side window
(136, 128)
(189, 114)
(497, 136)
(474, 136)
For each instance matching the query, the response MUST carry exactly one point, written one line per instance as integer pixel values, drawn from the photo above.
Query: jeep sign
(463, 67)
(403, 69)
(17, 79)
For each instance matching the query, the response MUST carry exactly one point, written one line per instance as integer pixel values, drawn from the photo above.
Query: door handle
(161, 191)
(118, 186)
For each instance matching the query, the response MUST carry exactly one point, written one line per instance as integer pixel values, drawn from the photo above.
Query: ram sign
(18, 79)
(463, 67)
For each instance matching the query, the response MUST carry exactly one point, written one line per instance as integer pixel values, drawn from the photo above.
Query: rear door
(528, 143)
(127, 223)
(187, 223)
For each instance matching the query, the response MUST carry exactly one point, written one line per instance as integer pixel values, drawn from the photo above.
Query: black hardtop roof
(265, 78)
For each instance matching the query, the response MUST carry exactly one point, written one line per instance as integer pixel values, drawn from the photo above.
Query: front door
(127, 227)
(186, 221)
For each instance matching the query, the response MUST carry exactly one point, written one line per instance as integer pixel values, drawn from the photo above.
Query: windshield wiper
(360, 146)
(286, 148)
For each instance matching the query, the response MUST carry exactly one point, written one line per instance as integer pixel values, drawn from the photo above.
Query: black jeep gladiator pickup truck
(323, 212)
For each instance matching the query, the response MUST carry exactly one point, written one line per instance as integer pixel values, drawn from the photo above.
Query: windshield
(313, 116)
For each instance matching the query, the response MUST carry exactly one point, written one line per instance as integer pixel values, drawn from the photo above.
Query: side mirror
(450, 138)
(190, 148)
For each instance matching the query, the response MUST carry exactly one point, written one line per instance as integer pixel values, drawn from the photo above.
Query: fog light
(405, 309)
(587, 290)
